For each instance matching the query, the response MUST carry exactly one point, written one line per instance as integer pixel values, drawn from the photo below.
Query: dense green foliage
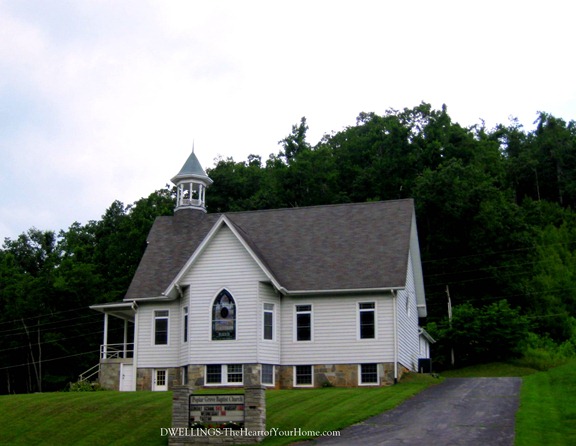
(496, 222)
(48, 336)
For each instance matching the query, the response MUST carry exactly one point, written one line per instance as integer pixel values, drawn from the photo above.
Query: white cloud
(101, 100)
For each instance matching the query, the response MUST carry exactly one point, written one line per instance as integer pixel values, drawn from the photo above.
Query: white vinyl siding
(408, 337)
(335, 332)
(269, 350)
(224, 264)
(149, 354)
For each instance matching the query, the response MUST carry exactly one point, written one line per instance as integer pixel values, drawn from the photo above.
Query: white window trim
(153, 331)
(295, 322)
(358, 311)
(224, 375)
(360, 383)
(273, 384)
(311, 371)
(273, 311)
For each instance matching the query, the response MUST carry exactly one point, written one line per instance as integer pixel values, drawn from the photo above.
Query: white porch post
(125, 337)
(105, 335)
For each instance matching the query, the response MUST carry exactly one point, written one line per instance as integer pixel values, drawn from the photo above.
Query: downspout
(394, 300)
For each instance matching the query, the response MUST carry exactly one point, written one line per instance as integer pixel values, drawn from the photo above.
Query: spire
(191, 183)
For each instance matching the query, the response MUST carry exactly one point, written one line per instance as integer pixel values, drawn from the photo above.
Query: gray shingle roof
(320, 248)
(191, 168)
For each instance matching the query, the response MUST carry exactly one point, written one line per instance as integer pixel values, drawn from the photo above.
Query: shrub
(84, 386)
(542, 353)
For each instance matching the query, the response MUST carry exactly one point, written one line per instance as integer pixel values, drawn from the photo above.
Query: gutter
(296, 293)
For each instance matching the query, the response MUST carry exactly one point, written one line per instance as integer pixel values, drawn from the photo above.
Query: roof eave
(339, 292)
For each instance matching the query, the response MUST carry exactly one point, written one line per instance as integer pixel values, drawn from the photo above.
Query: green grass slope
(85, 418)
(135, 418)
(547, 414)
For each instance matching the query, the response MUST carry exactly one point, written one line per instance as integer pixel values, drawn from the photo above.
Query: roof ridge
(316, 206)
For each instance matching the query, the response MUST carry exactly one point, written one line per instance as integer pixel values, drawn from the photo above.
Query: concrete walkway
(459, 411)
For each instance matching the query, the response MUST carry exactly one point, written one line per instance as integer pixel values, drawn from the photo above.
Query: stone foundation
(325, 375)
(144, 378)
(109, 376)
(336, 375)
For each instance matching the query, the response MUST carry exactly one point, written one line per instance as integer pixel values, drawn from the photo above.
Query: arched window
(223, 317)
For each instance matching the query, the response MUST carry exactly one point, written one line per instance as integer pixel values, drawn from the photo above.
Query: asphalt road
(459, 411)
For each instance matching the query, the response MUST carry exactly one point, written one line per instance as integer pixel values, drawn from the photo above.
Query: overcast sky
(102, 99)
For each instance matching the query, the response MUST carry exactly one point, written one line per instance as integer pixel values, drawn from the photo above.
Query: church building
(299, 297)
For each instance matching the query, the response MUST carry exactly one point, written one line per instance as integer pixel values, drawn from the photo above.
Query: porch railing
(114, 351)
(91, 372)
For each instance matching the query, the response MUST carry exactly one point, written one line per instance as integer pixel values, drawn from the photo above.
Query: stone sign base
(254, 421)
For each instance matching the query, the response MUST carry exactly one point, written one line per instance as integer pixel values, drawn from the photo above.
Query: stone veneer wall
(109, 376)
(337, 375)
(144, 377)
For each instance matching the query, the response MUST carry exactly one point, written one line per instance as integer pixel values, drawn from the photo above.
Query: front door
(126, 377)
(160, 380)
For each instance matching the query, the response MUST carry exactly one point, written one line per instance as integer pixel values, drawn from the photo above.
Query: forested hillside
(496, 221)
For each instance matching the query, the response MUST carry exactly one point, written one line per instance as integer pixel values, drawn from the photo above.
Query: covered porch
(116, 362)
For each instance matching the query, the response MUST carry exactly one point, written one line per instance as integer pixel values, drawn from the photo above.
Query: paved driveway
(460, 411)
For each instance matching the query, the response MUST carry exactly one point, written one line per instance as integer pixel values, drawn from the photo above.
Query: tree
(480, 334)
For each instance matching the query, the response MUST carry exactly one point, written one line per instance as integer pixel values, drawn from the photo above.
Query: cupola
(191, 183)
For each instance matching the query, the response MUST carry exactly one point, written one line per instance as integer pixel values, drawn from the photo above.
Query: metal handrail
(85, 378)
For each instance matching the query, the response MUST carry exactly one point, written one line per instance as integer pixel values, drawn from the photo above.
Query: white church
(305, 296)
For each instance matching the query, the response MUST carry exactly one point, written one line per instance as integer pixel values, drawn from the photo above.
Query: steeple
(191, 183)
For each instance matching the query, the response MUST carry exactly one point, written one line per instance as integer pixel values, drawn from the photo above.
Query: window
(267, 376)
(224, 374)
(213, 374)
(303, 375)
(268, 322)
(368, 373)
(185, 323)
(223, 317)
(367, 320)
(161, 327)
(234, 373)
(303, 322)
(185, 375)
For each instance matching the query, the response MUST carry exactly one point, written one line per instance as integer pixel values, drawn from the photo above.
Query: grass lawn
(135, 418)
(491, 370)
(547, 414)
(334, 408)
(85, 418)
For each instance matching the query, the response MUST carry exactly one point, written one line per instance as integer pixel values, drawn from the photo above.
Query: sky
(102, 100)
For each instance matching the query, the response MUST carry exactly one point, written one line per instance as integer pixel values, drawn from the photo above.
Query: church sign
(216, 409)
